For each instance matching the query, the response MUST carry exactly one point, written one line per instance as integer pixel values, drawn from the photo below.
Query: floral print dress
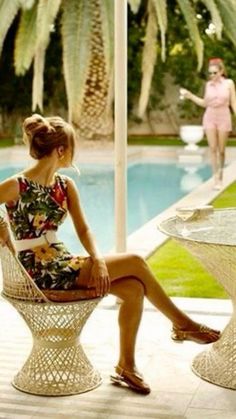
(40, 209)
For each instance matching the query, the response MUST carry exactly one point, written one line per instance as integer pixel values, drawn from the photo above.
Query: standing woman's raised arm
(186, 94)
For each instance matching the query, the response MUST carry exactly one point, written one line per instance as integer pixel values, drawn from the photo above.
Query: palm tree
(87, 42)
(222, 13)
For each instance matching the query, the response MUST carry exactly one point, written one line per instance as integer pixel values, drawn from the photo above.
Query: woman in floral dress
(37, 201)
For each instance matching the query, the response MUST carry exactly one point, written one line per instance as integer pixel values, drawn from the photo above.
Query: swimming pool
(152, 187)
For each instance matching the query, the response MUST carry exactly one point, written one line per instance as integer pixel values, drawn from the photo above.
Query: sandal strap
(203, 334)
(122, 372)
(132, 379)
(184, 333)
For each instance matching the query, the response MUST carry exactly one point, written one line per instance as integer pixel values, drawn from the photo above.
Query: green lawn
(6, 142)
(166, 141)
(181, 274)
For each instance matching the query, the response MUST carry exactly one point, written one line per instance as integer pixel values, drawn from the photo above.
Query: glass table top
(218, 227)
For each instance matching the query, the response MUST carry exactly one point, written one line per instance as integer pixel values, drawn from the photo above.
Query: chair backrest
(17, 283)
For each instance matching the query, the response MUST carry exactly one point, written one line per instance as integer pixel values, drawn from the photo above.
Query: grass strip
(167, 141)
(6, 142)
(179, 272)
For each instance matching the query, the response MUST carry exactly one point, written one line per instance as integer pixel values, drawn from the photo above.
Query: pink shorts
(217, 118)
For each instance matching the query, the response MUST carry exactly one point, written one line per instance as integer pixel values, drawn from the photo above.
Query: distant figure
(37, 201)
(219, 96)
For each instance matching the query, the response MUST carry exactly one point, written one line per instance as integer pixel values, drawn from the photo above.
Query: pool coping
(148, 238)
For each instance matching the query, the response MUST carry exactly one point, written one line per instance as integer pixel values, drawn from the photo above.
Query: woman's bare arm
(232, 96)
(196, 99)
(99, 274)
(79, 220)
(9, 190)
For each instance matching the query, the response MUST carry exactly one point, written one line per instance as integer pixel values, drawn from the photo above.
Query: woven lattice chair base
(57, 364)
(215, 365)
(212, 239)
(218, 363)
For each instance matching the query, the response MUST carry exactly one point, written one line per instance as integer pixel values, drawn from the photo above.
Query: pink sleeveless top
(217, 94)
(217, 100)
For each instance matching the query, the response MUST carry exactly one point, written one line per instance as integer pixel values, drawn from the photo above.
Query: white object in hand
(182, 94)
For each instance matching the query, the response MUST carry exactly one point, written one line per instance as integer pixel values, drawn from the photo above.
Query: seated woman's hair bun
(37, 125)
(43, 135)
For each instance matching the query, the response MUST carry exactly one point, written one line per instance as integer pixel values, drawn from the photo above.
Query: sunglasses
(212, 72)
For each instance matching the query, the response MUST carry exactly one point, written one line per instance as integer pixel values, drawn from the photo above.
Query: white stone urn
(191, 135)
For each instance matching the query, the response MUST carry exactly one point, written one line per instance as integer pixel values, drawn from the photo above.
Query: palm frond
(107, 19)
(189, 15)
(76, 33)
(161, 11)
(215, 15)
(26, 4)
(8, 12)
(37, 91)
(148, 58)
(46, 14)
(25, 42)
(134, 5)
(227, 11)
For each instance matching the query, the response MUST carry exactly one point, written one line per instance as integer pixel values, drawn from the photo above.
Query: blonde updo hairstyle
(43, 135)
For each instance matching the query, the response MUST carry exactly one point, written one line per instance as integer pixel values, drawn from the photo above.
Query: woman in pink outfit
(219, 97)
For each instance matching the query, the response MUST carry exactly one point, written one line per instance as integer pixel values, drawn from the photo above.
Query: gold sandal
(203, 335)
(132, 379)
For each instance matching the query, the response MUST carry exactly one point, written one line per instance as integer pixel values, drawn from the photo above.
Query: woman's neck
(43, 172)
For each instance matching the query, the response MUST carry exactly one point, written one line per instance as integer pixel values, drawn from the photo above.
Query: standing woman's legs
(222, 140)
(212, 138)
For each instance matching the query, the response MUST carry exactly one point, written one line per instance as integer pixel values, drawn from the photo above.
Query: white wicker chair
(57, 364)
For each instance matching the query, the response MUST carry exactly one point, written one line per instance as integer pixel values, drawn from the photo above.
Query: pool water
(152, 187)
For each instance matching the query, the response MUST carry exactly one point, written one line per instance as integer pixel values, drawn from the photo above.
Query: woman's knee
(129, 289)
(137, 260)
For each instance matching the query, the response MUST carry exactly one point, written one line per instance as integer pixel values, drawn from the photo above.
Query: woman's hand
(184, 93)
(100, 277)
(5, 239)
(4, 233)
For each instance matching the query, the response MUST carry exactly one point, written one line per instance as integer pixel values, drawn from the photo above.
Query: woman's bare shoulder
(11, 182)
(230, 82)
(9, 189)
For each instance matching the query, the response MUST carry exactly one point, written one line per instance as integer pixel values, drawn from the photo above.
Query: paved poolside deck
(176, 392)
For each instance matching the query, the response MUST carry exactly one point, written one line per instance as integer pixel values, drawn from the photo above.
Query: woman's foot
(217, 186)
(198, 333)
(218, 180)
(132, 379)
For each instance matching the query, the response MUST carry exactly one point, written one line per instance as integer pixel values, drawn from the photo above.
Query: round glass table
(212, 239)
